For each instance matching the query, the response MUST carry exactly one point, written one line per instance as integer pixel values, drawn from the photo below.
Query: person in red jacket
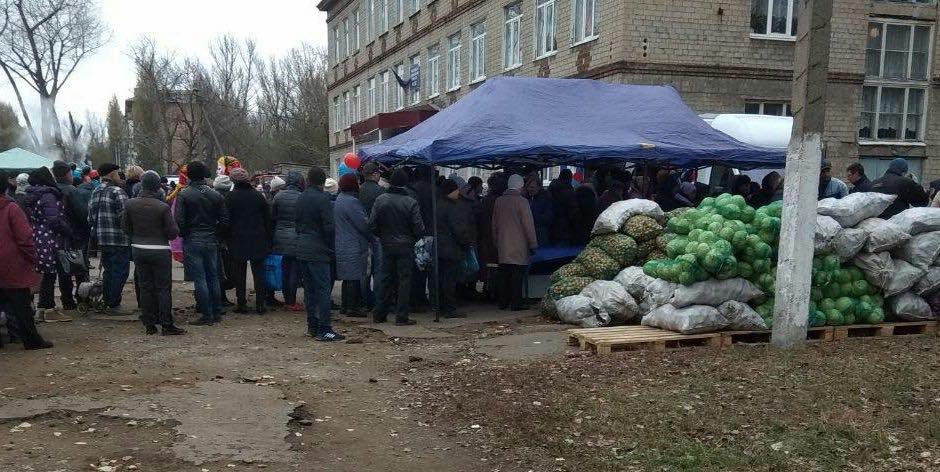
(18, 272)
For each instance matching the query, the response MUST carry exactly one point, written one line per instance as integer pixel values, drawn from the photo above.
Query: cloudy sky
(184, 26)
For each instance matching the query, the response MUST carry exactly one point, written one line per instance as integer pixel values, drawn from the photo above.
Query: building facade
(734, 56)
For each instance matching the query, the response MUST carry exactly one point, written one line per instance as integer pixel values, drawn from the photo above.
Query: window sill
(546, 55)
(414, 13)
(453, 89)
(477, 80)
(434, 95)
(512, 67)
(586, 40)
(892, 143)
(774, 37)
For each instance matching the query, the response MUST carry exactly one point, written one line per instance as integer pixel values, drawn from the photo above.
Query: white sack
(635, 281)
(741, 316)
(877, 267)
(920, 250)
(657, 294)
(578, 310)
(849, 242)
(883, 235)
(826, 230)
(903, 277)
(611, 219)
(611, 298)
(918, 220)
(929, 283)
(910, 307)
(714, 292)
(852, 209)
(689, 320)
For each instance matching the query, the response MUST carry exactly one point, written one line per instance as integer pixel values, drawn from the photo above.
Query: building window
(400, 10)
(370, 97)
(345, 43)
(897, 61)
(400, 91)
(381, 17)
(415, 6)
(768, 108)
(512, 47)
(544, 28)
(347, 109)
(414, 78)
(774, 18)
(477, 52)
(357, 104)
(337, 116)
(370, 20)
(336, 39)
(386, 98)
(434, 71)
(453, 62)
(585, 21)
(355, 32)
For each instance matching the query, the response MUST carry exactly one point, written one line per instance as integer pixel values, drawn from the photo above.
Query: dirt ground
(495, 392)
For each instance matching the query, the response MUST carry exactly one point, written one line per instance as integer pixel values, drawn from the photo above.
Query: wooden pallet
(907, 328)
(728, 338)
(605, 340)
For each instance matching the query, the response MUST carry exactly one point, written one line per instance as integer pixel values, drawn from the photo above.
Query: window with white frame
(345, 42)
(381, 17)
(414, 90)
(434, 71)
(400, 91)
(355, 31)
(477, 51)
(512, 46)
(768, 108)
(386, 93)
(347, 109)
(897, 65)
(585, 21)
(357, 104)
(370, 20)
(774, 18)
(415, 5)
(544, 28)
(453, 62)
(399, 11)
(337, 116)
(336, 39)
(370, 97)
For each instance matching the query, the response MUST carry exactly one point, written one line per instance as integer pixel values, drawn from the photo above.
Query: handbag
(469, 268)
(72, 261)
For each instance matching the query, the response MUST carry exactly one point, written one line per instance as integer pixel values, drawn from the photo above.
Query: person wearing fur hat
(514, 234)
(104, 218)
(248, 238)
(352, 244)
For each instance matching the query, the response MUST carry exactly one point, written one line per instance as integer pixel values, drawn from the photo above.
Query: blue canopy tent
(547, 122)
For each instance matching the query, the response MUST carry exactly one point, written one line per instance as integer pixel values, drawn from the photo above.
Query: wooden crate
(905, 328)
(728, 338)
(606, 340)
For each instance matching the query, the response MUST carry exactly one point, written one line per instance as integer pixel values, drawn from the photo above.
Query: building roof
(325, 5)
(21, 160)
(513, 120)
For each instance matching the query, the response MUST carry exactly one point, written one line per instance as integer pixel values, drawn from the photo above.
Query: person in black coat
(249, 238)
(855, 174)
(565, 207)
(896, 182)
(454, 239)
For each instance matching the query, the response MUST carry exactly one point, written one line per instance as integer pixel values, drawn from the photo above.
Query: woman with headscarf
(514, 234)
(685, 195)
(226, 164)
(283, 213)
(132, 184)
(249, 239)
(46, 212)
(352, 244)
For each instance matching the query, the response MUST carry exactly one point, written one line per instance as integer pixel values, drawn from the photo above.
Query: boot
(172, 330)
(52, 315)
(36, 343)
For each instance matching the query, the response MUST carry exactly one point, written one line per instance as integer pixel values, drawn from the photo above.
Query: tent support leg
(435, 290)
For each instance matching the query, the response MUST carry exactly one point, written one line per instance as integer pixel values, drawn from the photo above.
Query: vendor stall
(18, 160)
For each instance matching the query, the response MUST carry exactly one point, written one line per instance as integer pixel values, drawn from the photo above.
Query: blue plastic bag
(274, 272)
(469, 269)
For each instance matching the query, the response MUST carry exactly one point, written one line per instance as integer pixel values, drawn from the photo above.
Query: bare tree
(41, 45)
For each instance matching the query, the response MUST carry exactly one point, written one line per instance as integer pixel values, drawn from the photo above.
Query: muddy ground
(494, 392)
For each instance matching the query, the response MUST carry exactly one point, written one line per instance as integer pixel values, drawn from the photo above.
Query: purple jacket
(51, 230)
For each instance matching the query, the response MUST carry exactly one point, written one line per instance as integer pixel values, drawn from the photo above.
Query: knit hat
(276, 184)
(461, 183)
(898, 166)
(150, 181)
(369, 168)
(349, 183)
(239, 175)
(330, 186)
(60, 169)
(22, 180)
(222, 182)
(107, 168)
(516, 182)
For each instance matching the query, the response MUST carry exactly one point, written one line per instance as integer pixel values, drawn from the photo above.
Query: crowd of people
(365, 230)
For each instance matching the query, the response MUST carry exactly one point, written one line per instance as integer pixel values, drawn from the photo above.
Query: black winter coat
(249, 231)
(909, 193)
(396, 220)
(453, 234)
(314, 225)
(566, 212)
(368, 192)
(201, 214)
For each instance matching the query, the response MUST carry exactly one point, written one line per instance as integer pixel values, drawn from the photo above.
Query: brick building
(728, 56)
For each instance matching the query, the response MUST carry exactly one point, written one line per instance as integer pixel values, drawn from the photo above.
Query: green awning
(21, 160)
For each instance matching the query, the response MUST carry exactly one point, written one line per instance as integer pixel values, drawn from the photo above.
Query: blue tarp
(547, 122)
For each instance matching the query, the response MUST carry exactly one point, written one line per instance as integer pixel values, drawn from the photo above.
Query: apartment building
(725, 56)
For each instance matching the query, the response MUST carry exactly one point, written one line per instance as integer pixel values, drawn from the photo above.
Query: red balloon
(578, 177)
(352, 160)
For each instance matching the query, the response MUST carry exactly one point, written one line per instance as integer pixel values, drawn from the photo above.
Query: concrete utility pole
(801, 183)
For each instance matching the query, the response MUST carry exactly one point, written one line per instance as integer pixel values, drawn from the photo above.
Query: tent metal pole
(436, 288)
